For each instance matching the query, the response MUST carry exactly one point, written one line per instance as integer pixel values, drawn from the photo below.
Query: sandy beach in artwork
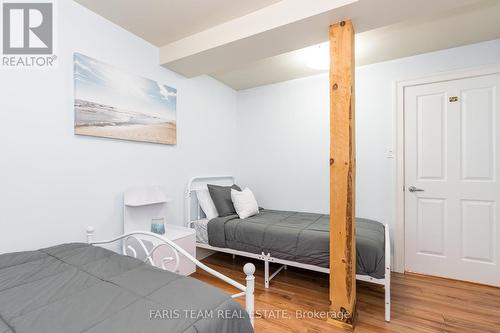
(164, 133)
(112, 104)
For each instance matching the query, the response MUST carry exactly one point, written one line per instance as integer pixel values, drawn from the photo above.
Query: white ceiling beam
(250, 28)
(456, 28)
(286, 26)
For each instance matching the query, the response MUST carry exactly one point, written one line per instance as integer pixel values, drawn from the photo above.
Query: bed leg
(387, 285)
(90, 235)
(266, 271)
(387, 288)
(285, 267)
(249, 270)
(234, 256)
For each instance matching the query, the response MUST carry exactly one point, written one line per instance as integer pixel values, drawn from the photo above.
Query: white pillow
(206, 203)
(244, 202)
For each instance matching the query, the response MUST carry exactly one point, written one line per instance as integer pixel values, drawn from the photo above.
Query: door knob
(414, 189)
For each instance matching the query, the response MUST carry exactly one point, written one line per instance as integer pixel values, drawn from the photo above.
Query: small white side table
(185, 238)
(182, 236)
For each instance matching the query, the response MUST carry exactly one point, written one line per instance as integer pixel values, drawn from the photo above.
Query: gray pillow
(221, 196)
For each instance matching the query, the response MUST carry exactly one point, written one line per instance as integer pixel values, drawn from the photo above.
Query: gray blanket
(77, 287)
(300, 237)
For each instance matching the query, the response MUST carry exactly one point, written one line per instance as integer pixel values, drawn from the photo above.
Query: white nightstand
(140, 206)
(182, 236)
(185, 238)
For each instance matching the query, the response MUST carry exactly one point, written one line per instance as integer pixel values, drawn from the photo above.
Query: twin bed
(80, 287)
(288, 238)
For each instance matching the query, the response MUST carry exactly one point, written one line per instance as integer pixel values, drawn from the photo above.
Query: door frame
(399, 119)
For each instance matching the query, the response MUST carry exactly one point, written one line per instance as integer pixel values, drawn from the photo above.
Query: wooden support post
(342, 177)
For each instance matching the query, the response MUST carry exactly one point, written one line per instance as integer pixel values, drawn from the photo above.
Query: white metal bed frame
(249, 268)
(267, 258)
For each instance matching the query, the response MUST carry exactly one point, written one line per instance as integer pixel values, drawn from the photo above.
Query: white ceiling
(163, 21)
(248, 43)
(462, 26)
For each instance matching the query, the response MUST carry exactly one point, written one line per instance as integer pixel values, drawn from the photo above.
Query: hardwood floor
(419, 303)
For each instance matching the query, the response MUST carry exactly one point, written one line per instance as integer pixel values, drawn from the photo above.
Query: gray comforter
(300, 237)
(78, 287)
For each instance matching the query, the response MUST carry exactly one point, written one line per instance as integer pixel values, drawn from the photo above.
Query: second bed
(294, 236)
(290, 239)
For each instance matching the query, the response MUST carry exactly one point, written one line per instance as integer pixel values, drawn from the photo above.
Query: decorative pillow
(221, 196)
(206, 203)
(244, 203)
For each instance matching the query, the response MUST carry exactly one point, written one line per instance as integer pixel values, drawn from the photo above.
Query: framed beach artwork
(110, 103)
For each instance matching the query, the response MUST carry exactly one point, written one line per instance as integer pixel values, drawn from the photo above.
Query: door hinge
(453, 99)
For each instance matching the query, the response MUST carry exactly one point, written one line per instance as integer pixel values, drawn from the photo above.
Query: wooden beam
(342, 177)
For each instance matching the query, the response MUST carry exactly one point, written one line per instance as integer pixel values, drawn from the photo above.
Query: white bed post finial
(90, 235)
(249, 270)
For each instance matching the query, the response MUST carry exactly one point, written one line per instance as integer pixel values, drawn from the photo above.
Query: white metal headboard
(198, 182)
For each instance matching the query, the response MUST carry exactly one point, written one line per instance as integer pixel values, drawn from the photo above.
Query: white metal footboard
(249, 268)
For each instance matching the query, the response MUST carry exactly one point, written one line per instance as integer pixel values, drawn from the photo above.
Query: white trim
(249, 268)
(399, 211)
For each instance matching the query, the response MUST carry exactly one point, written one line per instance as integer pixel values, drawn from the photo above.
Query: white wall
(53, 184)
(283, 144)
(283, 137)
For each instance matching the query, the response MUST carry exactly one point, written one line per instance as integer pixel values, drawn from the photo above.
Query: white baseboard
(203, 253)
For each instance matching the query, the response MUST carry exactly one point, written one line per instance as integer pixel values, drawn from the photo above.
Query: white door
(452, 190)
